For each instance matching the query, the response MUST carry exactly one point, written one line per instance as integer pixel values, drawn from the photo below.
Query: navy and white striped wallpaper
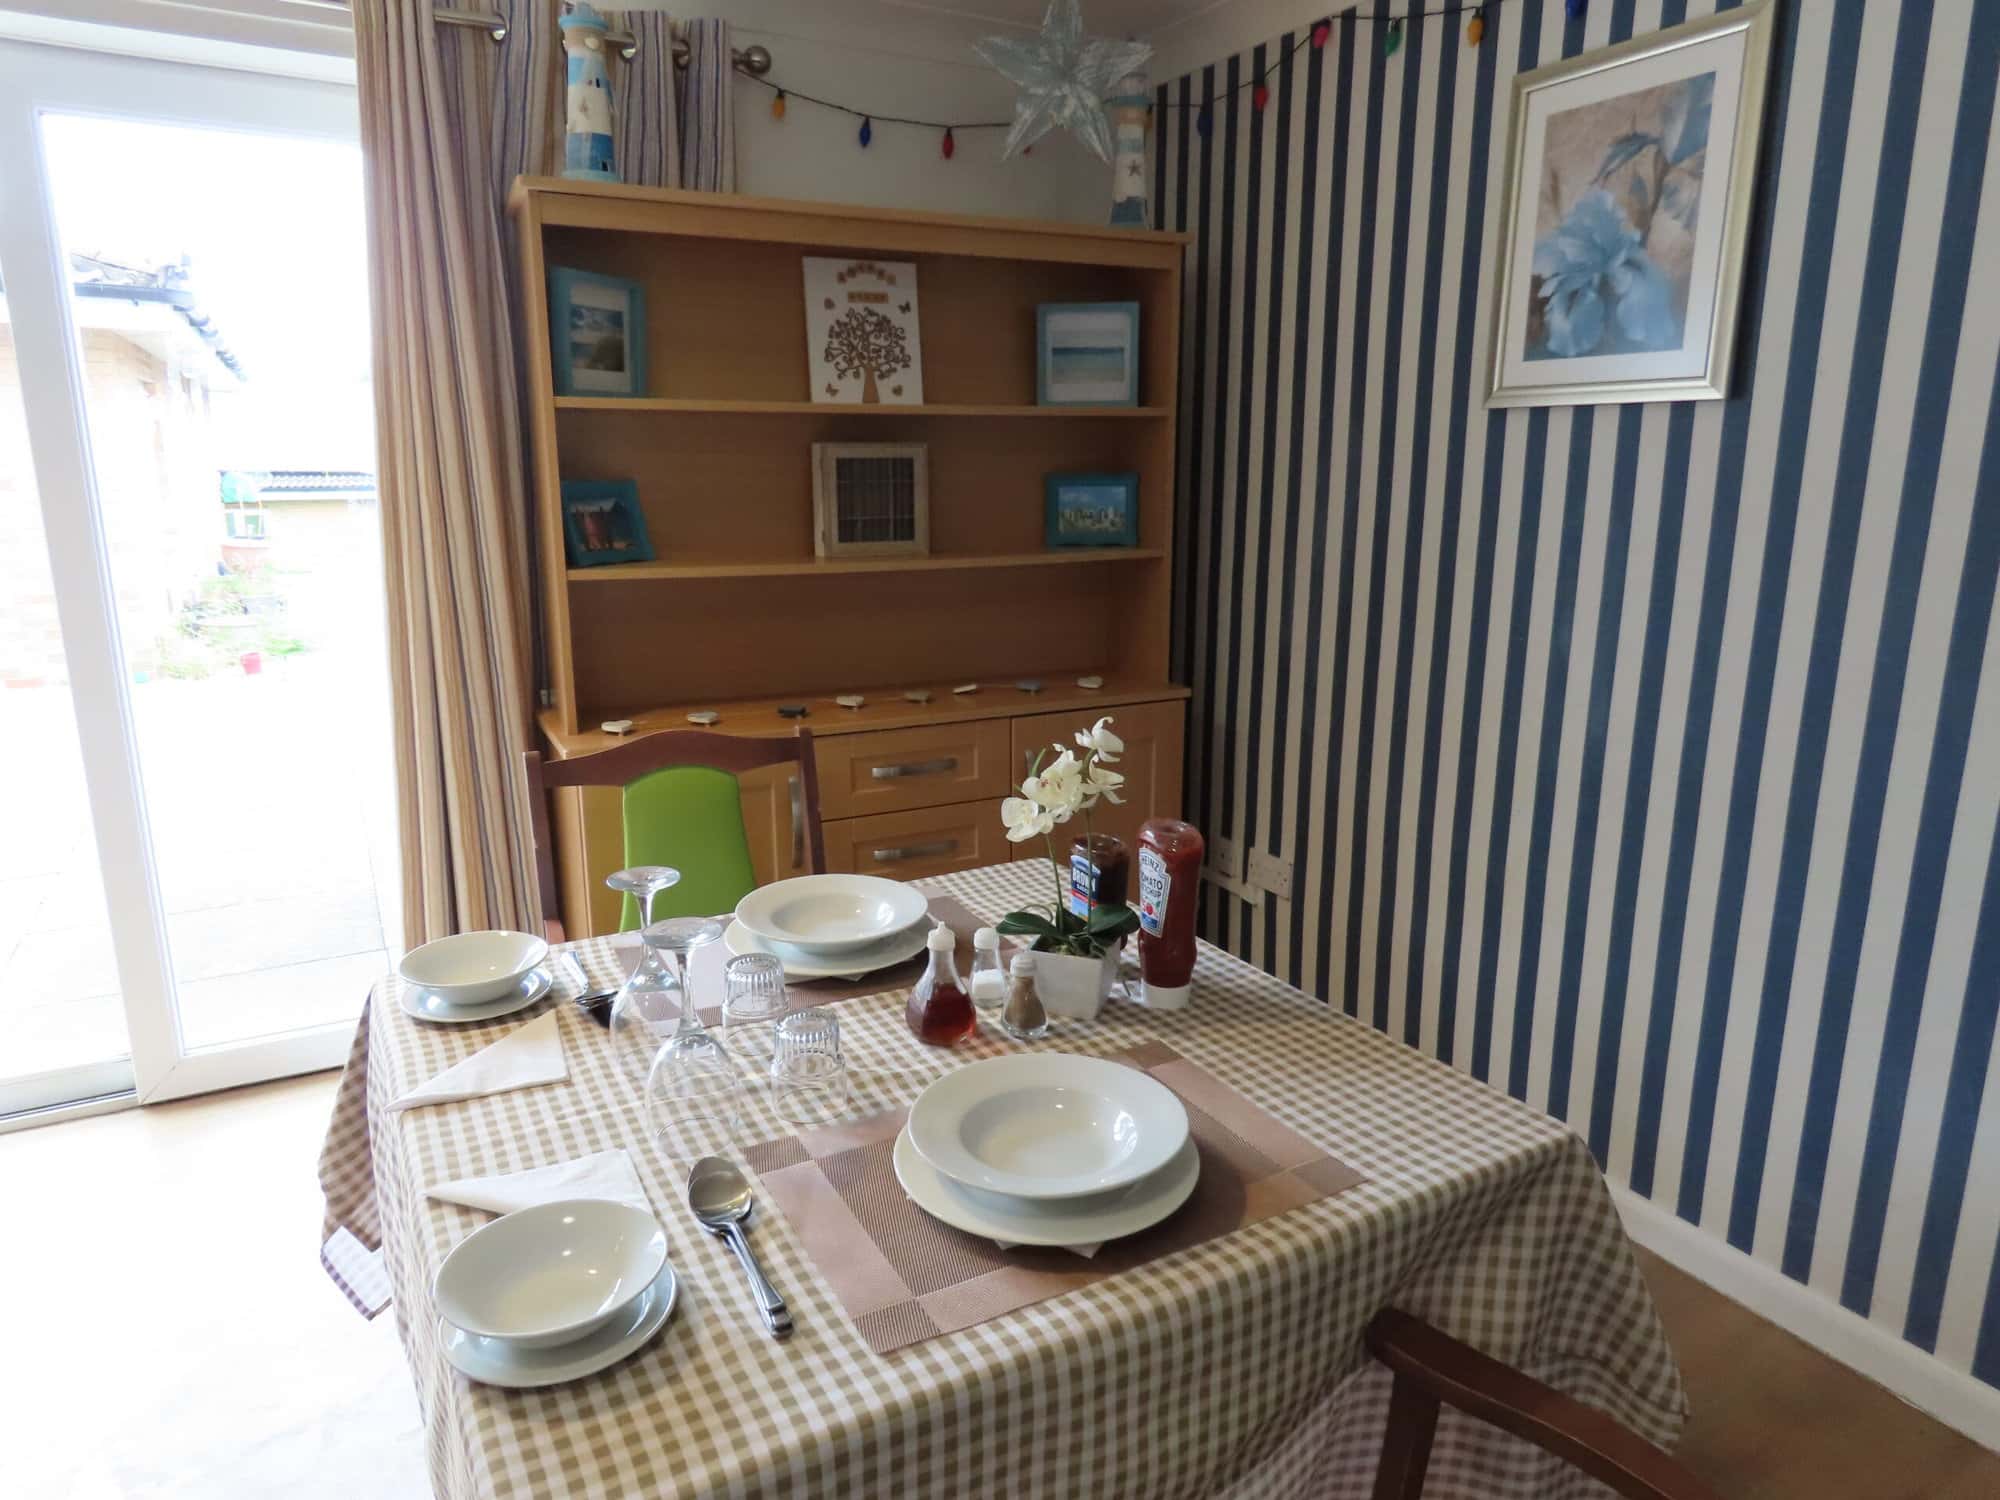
(1642, 760)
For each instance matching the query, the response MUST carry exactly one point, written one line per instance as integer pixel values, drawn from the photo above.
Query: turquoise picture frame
(603, 524)
(597, 334)
(1087, 354)
(1091, 510)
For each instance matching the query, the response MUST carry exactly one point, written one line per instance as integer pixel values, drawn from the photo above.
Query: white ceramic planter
(1074, 987)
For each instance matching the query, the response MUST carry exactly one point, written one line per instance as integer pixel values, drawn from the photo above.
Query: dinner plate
(1068, 1221)
(498, 1362)
(1048, 1125)
(426, 1006)
(832, 914)
(740, 940)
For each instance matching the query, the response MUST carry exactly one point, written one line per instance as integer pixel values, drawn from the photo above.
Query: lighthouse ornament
(587, 152)
(1128, 104)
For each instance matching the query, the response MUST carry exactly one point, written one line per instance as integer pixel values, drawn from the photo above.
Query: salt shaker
(988, 980)
(1024, 1018)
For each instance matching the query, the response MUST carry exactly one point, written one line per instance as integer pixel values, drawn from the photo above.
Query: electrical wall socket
(1225, 858)
(1272, 873)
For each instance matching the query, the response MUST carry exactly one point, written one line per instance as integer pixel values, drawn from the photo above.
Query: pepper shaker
(1023, 1017)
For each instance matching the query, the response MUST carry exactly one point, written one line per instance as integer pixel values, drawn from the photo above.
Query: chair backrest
(1432, 1368)
(683, 808)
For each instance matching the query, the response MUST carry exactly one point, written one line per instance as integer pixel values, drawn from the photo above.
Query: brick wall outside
(157, 479)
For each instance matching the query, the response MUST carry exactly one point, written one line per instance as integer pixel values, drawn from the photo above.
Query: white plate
(740, 940)
(832, 914)
(425, 1006)
(496, 1362)
(1069, 1221)
(1048, 1125)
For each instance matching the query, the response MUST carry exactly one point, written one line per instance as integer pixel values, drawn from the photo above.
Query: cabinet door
(1151, 762)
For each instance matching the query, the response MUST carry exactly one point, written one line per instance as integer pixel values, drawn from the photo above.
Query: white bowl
(471, 968)
(1047, 1126)
(831, 913)
(550, 1274)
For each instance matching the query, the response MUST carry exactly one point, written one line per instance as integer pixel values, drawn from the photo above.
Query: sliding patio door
(199, 879)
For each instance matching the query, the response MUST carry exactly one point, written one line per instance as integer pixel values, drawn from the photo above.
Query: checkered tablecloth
(1234, 1367)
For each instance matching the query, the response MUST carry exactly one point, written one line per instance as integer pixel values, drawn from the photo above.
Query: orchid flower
(1099, 741)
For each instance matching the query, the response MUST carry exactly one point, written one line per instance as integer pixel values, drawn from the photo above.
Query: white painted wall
(900, 61)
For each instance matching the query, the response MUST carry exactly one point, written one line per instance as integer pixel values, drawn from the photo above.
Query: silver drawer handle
(914, 851)
(915, 768)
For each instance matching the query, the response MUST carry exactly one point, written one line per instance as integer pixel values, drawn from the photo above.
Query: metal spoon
(719, 1196)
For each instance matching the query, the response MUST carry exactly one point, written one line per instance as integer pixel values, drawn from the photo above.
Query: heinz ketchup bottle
(1169, 870)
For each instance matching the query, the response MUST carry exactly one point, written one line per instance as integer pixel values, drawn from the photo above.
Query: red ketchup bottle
(940, 1011)
(1169, 870)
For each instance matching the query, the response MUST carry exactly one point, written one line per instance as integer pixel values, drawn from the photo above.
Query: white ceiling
(1140, 18)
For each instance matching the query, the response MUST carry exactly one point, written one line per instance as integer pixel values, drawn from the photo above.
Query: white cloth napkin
(603, 1174)
(526, 1056)
(1086, 1251)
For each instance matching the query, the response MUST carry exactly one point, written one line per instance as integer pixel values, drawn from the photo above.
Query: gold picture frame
(1621, 248)
(871, 500)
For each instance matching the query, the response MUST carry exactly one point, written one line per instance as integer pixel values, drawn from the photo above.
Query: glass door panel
(185, 252)
(62, 1017)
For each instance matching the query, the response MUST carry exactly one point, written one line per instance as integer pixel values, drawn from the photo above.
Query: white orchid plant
(1063, 784)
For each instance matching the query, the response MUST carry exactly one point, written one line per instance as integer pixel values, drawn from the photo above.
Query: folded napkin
(603, 1174)
(1086, 1251)
(526, 1056)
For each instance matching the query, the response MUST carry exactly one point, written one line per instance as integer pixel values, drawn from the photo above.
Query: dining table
(1232, 1366)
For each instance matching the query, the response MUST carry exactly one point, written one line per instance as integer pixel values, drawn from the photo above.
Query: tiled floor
(168, 1333)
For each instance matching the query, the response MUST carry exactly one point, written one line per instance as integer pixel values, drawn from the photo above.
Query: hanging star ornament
(1062, 75)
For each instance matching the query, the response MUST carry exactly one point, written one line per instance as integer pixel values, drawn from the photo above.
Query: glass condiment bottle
(940, 1011)
(1169, 874)
(1023, 1016)
(988, 982)
(1099, 873)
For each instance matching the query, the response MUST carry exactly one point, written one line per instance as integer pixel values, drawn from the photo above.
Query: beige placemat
(706, 970)
(903, 1277)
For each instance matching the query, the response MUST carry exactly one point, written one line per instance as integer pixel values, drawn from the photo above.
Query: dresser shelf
(828, 567)
(693, 406)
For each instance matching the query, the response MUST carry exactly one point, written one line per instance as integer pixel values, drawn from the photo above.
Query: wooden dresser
(737, 615)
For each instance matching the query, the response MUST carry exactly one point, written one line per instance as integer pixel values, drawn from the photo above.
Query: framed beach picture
(1629, 181)
(602, 523)
(1087, 354)
(863, 342)
(597, 334)
(1092, 510)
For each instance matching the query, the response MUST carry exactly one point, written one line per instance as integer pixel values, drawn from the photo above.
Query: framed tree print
(862, 344)
(1630, 172)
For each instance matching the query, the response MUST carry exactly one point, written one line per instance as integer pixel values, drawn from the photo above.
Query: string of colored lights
(1260, 93)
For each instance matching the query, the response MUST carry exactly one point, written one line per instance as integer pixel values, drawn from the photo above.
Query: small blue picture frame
(1092, 510)
(597, 334)
(1087, 354)
(602, 523)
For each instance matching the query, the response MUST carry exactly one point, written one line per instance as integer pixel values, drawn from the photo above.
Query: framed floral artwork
(1629, 179)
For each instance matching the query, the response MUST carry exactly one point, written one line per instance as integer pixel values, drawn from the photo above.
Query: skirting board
(1927, 1383)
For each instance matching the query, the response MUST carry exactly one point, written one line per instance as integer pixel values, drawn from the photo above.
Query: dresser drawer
(890, 770)
(905, 845)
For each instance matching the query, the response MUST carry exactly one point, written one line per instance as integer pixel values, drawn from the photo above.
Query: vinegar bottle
(940, 1011)
(1169, 871)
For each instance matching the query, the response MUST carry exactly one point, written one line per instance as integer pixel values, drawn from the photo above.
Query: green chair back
(689, 817)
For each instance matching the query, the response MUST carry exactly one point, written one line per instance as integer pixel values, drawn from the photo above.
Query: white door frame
(34, 80)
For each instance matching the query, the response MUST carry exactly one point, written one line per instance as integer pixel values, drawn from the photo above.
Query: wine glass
(694, 1094)
(643, 1011)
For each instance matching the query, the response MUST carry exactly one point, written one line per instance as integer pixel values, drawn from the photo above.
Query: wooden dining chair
(1433, 1369)
(683, 808)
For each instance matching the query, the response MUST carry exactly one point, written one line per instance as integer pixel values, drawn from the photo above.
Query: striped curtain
(450, 476)
(708, 109)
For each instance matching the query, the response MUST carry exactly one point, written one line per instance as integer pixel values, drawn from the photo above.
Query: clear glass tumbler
(753, 1002)
(808, 1074)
